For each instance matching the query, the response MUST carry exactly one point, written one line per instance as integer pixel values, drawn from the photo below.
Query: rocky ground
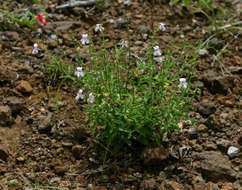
(43, 141)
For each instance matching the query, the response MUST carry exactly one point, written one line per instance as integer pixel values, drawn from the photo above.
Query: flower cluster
(98, 28)
(158, 58)
(79, 72)
(162, 26)
(35, 49)
(80, 96)
(41, 19)
(157, 51)
(123, 44)
(183, 83)
(85, 40)
(91, 98)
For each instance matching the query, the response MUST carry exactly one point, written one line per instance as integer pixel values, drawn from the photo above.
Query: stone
(55, 180)
(143, 29)
(5, 116)
(210, 146)
(192, 132)
(45, 125)
(202, 128)
(223, 144)
(20, 159)
(214, 166)
(4, 154)
(24, 87)
(217, 84)
(206, 108)
(148, 184)
(100, 188)
(173, 185)
(232, 151)
(227, 186)
(240, 139)
(67, 144)
(120, 23)
(155, 156)
(12, 35)
(7, 77)
(90, 187)
(60, 170)
(3, 169)
(77, 151)
(15, 104)
(198, 183)
(212, 186)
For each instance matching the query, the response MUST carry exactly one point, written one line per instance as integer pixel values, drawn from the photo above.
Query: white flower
(157, 51)
(35, 49)
(91, 98)
(183, 83)
(80, 95)
(162, 26)
(79, 72)
(85, 39)
(123, 44)
(98, 28)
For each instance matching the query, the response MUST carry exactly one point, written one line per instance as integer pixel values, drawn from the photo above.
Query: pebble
(206, 108)
(20, 159)
(45, 123)
(3, 153)
(211, 146)
(60, 170)
(173, 185)
(15, 104)
(232, 151)
(192, 132)
(24, 87)
(148, 184)
(120, 23)
(90, 187)
(214, 165)
(155, 156)
(67, 144)
(202, 128)
(223, 144)
(5, 116)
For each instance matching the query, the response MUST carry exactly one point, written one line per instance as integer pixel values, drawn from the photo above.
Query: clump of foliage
(26, 19)
(59, 72)
(136, 101)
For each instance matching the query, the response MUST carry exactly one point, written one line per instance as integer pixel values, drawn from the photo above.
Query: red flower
(40, 17)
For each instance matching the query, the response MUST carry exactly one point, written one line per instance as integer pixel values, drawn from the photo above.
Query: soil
(43, 140)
